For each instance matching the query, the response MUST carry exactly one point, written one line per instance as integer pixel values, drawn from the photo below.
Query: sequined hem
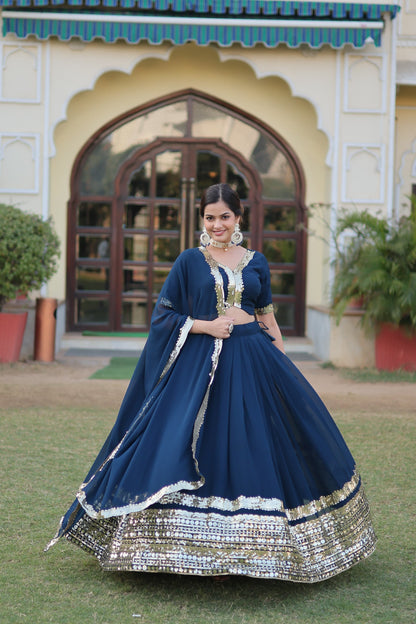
(184, 541)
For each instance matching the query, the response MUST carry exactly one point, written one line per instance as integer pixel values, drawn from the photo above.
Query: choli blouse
(216, 287)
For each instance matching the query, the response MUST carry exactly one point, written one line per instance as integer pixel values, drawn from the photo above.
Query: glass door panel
(208, 171)
(286, 314)
(165, 249)
(92, 311)
(134, 314)
(136, 247)
(93, 246)
(237, 181)
(167, 217)
(280, 250)
(103, 161)
(282, 283)
(93, 214)
(135, 280)
(139, 185)
(280, 218)
(136, 216)
(168, 174)
(151, 233)
(92, 278)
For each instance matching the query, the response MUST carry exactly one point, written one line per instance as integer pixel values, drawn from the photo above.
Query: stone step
(77, 345)
(101, 343)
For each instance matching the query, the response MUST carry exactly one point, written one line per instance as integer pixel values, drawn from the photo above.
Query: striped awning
(225, 22)
(349, 10)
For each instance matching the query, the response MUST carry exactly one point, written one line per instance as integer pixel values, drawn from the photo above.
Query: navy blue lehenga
(223, 459)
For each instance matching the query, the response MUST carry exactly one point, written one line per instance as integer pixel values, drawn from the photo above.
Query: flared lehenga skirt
(258, 481)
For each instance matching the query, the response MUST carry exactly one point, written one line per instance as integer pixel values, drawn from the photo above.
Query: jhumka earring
(236, 236)
(204, 238)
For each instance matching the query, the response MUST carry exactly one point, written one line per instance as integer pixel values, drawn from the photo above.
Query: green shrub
(377, 266)
(29, 252)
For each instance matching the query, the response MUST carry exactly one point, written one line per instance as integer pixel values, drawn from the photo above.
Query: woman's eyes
(209, 218)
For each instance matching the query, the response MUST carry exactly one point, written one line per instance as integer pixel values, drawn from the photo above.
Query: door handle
(191, 213)
(182, 236)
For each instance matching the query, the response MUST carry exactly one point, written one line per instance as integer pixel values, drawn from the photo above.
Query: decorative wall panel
(365, 80)
(363, 173)
(19, 163)
(20, 73)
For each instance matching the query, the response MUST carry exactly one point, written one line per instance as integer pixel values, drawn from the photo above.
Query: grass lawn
(373, 375)
(45, 453)
(118, 368)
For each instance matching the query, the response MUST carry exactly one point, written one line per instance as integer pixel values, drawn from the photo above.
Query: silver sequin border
(183, 541)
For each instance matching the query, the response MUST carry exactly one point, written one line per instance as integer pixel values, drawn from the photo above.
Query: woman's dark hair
(221, 192)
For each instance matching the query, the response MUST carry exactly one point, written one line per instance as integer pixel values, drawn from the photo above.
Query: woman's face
(219, 221)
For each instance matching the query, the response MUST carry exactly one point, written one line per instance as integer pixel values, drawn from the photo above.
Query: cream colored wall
(405, 140)
(22, 114)
(407, 19)
(405, 148)
(315, 99)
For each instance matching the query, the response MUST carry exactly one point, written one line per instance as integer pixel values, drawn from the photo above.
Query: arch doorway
(135, 190)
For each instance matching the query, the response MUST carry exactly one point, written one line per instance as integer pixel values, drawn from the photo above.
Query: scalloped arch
(167, 54)
(295, 92)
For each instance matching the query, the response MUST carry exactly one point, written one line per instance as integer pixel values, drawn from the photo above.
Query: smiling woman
(223, 460)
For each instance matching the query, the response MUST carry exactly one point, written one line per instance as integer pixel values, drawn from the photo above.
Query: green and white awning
(225, 22)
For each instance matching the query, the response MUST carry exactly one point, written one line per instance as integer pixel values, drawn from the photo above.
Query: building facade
(115, 115)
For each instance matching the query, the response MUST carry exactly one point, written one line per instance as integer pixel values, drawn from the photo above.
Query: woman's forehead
(218, 208)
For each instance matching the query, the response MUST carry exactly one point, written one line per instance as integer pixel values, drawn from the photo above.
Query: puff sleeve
(264, 303)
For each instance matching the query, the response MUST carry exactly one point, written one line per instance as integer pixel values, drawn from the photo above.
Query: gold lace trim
(235, 280)
(265, 504)
(266, 310)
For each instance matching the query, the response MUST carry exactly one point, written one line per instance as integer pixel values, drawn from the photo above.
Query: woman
(223, 460)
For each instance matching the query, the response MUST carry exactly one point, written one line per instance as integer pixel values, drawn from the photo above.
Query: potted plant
(375, 262)
(29, 251)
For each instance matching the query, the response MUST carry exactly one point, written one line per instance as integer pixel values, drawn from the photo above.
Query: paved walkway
(66, 382)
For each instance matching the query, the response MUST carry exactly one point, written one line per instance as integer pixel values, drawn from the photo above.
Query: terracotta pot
(395, 348)
(356, 304)
(12, 329)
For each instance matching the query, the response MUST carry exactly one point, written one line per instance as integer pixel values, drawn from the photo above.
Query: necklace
(220, 245)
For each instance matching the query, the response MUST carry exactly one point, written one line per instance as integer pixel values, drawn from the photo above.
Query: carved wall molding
(19, 163)
(368, 94)
(363, 173)
(21, 72)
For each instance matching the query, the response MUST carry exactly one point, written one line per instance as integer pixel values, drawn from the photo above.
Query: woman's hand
(218, 328)
(221, 327)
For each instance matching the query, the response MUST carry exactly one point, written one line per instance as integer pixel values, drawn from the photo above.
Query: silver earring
(236, 236)
(204, 238)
